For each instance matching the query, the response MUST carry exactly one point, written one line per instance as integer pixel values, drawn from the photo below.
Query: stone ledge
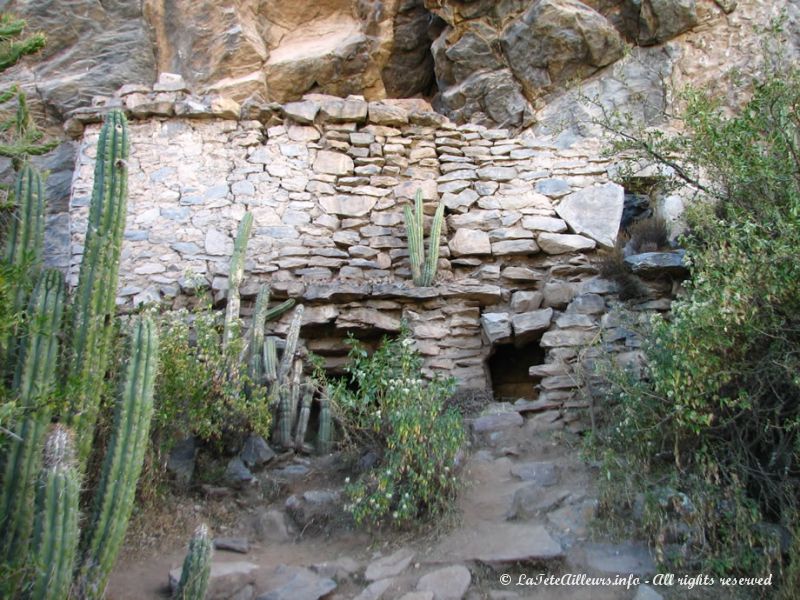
(343, 293)
(175, 100)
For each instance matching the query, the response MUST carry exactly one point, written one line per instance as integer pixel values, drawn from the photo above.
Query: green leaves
(388, 407)
(716, 413)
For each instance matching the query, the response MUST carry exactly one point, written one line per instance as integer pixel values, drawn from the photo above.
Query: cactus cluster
(42, 549)
(423, 268)
(272, 363)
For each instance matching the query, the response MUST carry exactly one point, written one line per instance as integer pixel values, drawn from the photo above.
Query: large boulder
(92, 48)
(654, 21)
(554, 41)
(272, 50)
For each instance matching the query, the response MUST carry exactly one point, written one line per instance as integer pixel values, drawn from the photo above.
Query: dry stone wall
(326, 179)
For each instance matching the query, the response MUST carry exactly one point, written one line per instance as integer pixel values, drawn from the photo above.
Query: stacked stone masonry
(326, 180)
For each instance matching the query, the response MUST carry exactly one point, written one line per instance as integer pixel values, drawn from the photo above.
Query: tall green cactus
(55, 536)
(235, 278)
(325, 432)
(34, 383)
(305, 414)
(287, 358)
(24, 247)
(196, 567)
(270, 360)
(122, 465)
(255, 343)
(423, 269)
(35, 376)
(94, 301)
(26, 233)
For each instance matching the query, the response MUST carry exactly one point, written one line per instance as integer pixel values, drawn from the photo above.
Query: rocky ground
(525, 511)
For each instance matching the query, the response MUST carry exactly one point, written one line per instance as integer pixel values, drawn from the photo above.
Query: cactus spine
(55, 537)
(423, 270)
(34, 382)
(235, 278)
(196, 567)
(123, 463)
(94, 306)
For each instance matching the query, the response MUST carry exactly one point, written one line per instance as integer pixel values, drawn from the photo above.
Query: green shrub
(203, 388)
(385, 406)
(717, 417)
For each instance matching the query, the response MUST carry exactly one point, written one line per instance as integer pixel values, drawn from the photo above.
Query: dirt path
(524, 512)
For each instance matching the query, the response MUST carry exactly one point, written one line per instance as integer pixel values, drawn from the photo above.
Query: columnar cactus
(305, 414)
(287, 358)
(285, 417)
(24, 245)
(270, 360)
(255, 344)
(34, 382)
(423, 269)
(235, 278)
(196, 567)
(325, 432)
(55, 536)
(94, 304)
(26, 233)
(278, 310)
(122, 466)
(35, 376)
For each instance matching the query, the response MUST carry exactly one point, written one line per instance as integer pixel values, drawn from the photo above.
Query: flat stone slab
(656, 264)
(560, 243)
(498, 543)
(449, 583)
(526, 406)
(497, 422)
(574, 518)
(389, 566)
(417, 596)
(231, 544)
(627, 558)
(532, 500)
(594, 212)
(543, 473)
(376, 589)
(297, 583)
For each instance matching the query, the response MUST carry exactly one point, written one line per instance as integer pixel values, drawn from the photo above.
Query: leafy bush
(717, 417)
(203, 389)
(384, 406)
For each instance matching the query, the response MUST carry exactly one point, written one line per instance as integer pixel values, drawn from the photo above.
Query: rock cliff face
(497, 62)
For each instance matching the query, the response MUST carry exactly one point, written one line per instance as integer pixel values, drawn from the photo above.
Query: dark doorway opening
(508, 366)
